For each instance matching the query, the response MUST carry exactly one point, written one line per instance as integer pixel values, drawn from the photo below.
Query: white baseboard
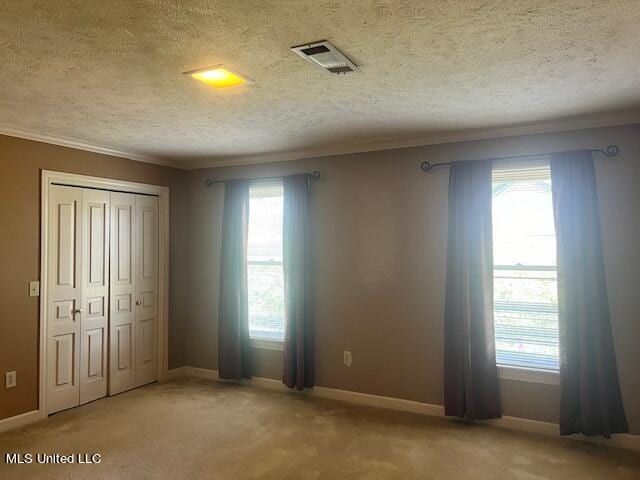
(379, 401)
(175, 373)
(20, 420)
(196, 372)
(630, 442)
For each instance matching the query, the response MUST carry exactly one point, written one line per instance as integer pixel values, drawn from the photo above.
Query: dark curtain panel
(590, 399)
(298, 345)
(471, 376)
(233, 321)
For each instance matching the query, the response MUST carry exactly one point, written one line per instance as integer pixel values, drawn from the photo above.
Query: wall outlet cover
(347, 358)
(10, 379)
(34, 288)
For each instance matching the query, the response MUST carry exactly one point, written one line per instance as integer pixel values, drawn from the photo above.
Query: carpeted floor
(197, 429)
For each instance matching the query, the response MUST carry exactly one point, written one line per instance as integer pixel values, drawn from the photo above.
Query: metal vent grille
(326, 56)
(315, 50)
(340, 69)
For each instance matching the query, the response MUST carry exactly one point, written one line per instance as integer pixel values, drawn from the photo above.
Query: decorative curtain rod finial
(315, 175)
(611, 151)
(208, 182)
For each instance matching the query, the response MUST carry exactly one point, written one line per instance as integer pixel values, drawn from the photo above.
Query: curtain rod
(209, 182)
(610, 151)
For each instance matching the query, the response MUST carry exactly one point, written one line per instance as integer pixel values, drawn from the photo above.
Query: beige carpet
(193, 429)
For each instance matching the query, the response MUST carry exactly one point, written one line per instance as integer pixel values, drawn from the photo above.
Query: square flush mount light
(219, 76)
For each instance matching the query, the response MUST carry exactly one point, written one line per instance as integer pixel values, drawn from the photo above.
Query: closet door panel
(122, 331)
(95, 294)
(64, 301)
(146, 289)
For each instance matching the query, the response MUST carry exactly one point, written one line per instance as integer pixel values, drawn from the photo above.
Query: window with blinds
(525, 273)
(264, 261)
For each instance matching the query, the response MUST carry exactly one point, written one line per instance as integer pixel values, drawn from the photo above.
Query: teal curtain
(234, 347)
(298, 369)
(471, 377)
(590, 398)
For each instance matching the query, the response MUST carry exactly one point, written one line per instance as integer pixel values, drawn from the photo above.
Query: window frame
(264, 343)
(509, 170)
(528, 374)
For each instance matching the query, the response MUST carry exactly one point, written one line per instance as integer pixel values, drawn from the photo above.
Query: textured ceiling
(109, 73)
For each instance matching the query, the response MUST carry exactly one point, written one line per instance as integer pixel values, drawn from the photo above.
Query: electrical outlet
(34, 288)
(10, 379)
(347, 358)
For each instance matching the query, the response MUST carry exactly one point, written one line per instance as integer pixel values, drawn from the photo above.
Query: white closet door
(146, 276)
(122, 331)
(64, 296)
(95, 294)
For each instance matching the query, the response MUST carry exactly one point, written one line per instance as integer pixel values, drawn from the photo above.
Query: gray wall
(379, 266)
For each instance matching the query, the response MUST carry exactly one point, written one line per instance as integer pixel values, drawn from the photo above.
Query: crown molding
(78, 145)
(549, 126)
(610, 119)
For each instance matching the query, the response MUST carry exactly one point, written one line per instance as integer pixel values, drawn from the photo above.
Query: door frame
(50, 177)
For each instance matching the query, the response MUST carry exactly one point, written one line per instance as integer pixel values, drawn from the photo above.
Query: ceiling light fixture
(219, 76)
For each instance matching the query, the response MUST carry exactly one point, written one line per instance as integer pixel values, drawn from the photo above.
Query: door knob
(76, 310)
(138, 302)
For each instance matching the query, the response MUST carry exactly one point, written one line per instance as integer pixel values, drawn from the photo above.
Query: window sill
(267, 344)
(520, 374)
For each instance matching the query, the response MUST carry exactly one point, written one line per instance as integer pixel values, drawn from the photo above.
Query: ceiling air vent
(326, 56)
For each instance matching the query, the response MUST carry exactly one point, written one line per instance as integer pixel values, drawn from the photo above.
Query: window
(264, 261)
(525, 273)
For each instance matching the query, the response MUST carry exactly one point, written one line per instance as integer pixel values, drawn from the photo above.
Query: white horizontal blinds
(525, 273)
(522, 169)
(264, 261)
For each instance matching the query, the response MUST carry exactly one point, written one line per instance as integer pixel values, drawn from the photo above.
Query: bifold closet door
(146, 293)
(64, 254)
(134, 295)
(94, 316)
(122, 374)
(102, 306)
(78, 261)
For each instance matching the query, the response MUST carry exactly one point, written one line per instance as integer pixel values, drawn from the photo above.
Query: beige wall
(379, 266)
(20, 165)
